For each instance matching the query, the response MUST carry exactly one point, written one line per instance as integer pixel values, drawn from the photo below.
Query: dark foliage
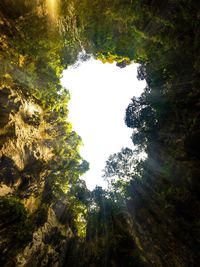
(150, 216)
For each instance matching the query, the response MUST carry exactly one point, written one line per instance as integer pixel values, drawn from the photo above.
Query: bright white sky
(100, 94)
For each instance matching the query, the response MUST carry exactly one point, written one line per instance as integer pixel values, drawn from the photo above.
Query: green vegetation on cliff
(150, 214)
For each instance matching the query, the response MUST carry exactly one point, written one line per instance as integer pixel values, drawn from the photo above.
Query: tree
(121, 164)
(120, 168)
(132, 117)
(142, 118)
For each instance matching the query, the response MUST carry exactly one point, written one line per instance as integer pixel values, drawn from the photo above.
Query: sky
(100, 94)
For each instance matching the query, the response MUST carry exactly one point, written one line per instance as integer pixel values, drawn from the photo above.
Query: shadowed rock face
(192, 144)
(159, 221)
(31, 232)
(14, 9)
(23, 150)
(24, 156)
(9, 172)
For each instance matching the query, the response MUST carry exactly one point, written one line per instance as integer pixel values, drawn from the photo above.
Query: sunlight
(52, 7)
(100, 94)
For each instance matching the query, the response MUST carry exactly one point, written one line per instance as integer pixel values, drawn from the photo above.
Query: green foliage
(16, 228)
(163, 39)
(109, 239)
(107, 57)
(161, 192)
(120, 168)
(109, 26)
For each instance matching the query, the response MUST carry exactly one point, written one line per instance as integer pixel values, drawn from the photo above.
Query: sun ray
(52, 9)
